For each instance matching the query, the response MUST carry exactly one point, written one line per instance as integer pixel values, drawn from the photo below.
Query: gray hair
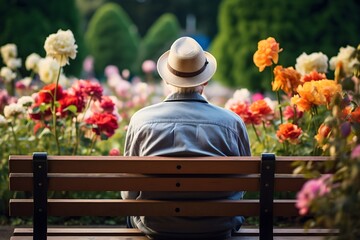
(175, 89)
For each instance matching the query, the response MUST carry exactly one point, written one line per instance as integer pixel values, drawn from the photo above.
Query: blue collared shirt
(185, 124)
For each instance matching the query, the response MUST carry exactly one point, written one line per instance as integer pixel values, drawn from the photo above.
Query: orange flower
(355, 115)
(315, 93)
(289, 132)
(267, 53)
(323, 133)
(262, 109)
(301, 103)
(313, 76)
(242, 109)
(286, 79)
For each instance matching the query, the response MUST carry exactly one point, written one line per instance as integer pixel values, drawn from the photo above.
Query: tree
(299, 26)
(159, 38)
(28, 23)
(112, 38)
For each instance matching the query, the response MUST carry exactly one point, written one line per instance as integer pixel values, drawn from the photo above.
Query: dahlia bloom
(267, 53)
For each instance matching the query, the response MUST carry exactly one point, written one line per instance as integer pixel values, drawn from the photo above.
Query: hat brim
(177, 81)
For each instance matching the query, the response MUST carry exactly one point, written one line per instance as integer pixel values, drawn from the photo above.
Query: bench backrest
(41, 173)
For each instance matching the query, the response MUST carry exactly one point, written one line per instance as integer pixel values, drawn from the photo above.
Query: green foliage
(111, 38)
(299, 26)
(28, 23)
(159, 38)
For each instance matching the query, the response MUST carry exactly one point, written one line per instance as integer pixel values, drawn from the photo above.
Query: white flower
(308, 63)
(344, 57)
(3, 121)
(13, 63)
(48, 69)
(13, 110)
(242, 95)
(8, 51)
(61, 46)
(7, 74)
(31, 62)
(25, 101)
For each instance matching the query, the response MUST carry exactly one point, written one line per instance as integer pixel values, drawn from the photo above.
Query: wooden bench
(265, 174)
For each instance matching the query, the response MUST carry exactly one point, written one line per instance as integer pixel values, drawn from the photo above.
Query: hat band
(187, 74)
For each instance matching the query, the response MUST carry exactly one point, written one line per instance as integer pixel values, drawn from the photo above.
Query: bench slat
(112, 231)
(86, 207)
(127, 182)
(120, 164)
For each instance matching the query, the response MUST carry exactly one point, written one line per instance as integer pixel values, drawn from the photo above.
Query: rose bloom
(13, 110)
(107, 104)
(31, 62)
(111, 70)
(106, 123)
(347, 63)
(114, 152)
(7, 74)
(148, 66)
(48, 70)
(356, 152)
(8, 51)
(286, 79)
(61, 46)
(262, 109)
(289, 132)
(311, 190)
(313, 76)
(88, 89)
(289, 112)
(315, 93)
(267, 53)
(323, 133)
(242, 95)
(13, 63)
(47, 92)
(69, 99)
(308, 63)
(25, 101)
(355, 115)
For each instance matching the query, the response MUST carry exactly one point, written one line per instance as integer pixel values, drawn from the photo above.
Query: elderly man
(185, 124)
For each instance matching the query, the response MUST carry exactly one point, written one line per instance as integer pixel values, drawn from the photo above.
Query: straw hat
(186, 64)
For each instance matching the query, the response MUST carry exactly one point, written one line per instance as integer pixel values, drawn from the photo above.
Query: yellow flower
(267, 53)
(61, 46)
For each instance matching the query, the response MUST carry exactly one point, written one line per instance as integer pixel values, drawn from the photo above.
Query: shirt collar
(194, 96)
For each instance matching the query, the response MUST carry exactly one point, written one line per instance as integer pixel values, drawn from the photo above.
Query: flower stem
(15, 139)
(280, 109)
(54, 111)
(257, 135)
(93, 140)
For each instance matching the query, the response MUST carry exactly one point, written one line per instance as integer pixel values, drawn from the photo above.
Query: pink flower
(289, 113)
(148, 66)
(114, 152)
(88, 89)
(311, 190)
(111, 70)
(356, 152)
(257, 96)
(88, 64)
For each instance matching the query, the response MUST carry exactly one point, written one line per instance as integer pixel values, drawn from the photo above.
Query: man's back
(186, 125)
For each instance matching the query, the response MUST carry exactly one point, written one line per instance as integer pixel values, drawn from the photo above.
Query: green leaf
(71, 108)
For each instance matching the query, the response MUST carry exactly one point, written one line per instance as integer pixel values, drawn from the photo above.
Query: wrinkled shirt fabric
(185, 124)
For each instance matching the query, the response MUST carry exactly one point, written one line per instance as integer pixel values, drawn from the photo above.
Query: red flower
(114, 152)
(105, 123)
(37, 114)
(107, 104)
(46, 95)
(87, 88)
(70, 99)
(289, 112)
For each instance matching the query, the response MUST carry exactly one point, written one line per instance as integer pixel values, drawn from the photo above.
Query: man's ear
(205, 84)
